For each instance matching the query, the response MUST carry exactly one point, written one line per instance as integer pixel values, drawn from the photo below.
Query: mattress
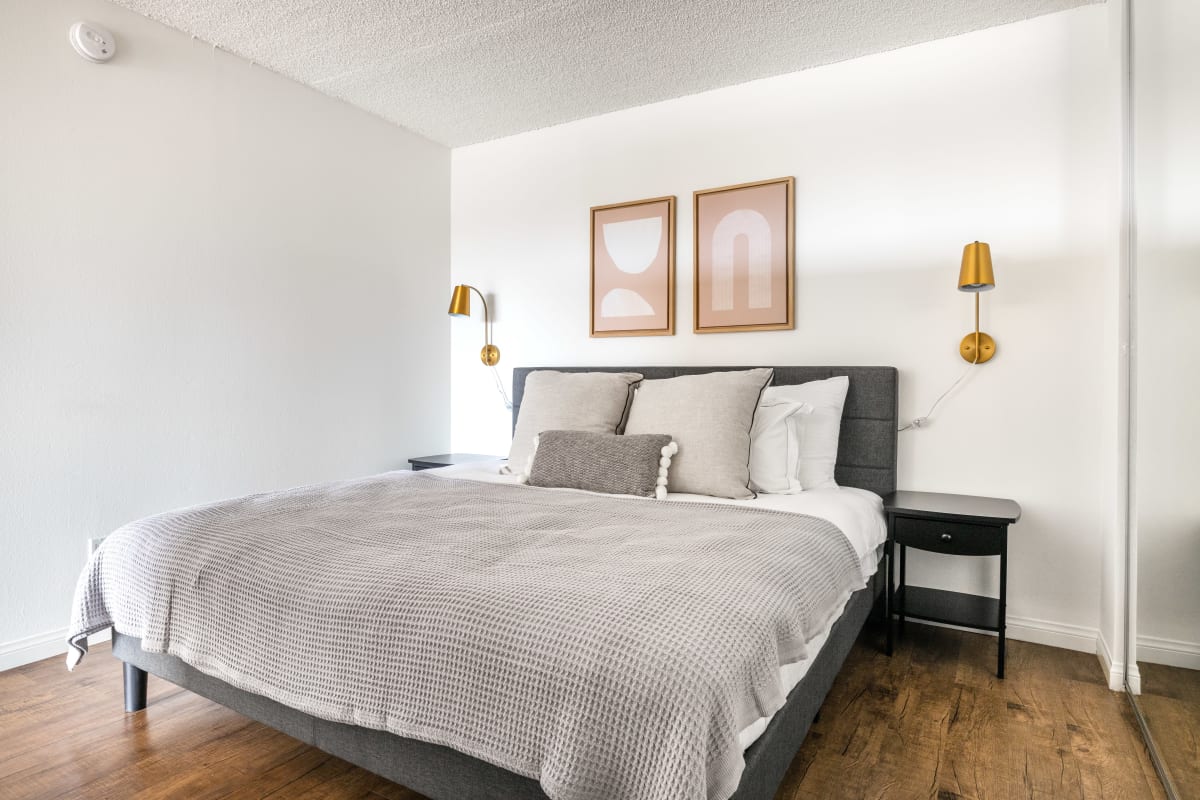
(856, 512)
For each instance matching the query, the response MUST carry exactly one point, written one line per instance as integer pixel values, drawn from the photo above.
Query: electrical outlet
(94, 544)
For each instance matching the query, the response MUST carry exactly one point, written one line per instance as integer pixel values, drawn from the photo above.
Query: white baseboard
(39, 646)
(1114, 668)
(1038, 631)
(1053, 634)
(1171, 652)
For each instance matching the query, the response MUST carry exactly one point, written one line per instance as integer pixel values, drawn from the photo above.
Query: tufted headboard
(867, 446)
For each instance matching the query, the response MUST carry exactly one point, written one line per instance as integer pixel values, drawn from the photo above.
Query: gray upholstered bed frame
(866, 459)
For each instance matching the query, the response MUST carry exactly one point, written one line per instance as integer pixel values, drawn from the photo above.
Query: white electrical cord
(920, 422)
(500, 388)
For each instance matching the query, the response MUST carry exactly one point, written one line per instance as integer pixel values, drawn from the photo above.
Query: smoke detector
(93, 42)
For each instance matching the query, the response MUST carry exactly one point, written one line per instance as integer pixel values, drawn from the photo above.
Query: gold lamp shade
(460, 306)
(460, 301)
(976, 276)
(976, 272)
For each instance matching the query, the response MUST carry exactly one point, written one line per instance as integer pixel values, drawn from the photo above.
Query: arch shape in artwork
(757, 230)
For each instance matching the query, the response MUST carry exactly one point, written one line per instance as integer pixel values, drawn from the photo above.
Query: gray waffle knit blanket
(608, 647)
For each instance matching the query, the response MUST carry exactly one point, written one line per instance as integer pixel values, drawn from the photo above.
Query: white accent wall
(213, 281)
(1007, 135)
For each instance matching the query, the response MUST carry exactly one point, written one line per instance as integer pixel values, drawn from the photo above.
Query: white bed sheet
(856, 512)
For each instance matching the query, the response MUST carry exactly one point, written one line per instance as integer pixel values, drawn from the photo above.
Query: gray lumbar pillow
(602, 462)
(576, 401)
(709, 417)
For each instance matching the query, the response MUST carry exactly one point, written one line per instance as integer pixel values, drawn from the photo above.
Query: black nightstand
(953, 524)
(447, 460)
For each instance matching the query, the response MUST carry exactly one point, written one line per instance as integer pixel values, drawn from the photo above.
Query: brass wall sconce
(976, 276)
(460, 306)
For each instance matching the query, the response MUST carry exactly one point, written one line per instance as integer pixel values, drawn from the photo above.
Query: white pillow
(775, 448)
(818, 431)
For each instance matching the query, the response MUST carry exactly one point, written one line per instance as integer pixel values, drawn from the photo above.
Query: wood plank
(930, 722)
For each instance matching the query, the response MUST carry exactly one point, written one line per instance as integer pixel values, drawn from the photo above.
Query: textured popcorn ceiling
(465, 72)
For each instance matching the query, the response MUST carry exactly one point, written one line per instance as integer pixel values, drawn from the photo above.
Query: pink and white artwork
(633, 268)
(744, 270)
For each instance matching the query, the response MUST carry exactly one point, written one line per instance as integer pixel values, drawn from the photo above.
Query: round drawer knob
(946, 537)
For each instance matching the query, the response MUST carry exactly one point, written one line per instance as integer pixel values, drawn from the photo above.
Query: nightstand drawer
(954, 538)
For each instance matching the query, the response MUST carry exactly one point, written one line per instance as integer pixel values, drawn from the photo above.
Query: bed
(866, 461)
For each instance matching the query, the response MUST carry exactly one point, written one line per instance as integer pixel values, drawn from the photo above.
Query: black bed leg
(135, 688)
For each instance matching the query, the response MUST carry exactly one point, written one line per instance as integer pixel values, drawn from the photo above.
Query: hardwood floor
(930, 722)
(935, 722)
(1170, 702)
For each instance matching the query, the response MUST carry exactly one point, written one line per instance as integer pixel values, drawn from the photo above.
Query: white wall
(1004, 135)
(1167, 136)
(213, 281)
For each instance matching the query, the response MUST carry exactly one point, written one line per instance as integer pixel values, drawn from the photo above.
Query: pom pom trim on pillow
(664, 466)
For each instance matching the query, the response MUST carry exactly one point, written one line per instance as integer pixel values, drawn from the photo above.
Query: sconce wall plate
(987, 348)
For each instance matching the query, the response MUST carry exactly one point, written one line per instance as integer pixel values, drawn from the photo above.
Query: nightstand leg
(1001, 623)
(903, 583)
(887, 593)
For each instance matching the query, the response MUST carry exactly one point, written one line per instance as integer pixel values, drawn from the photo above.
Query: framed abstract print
(633, 268)
(744, 257)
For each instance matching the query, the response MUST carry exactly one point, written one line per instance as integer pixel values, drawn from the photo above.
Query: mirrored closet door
(1164, 680)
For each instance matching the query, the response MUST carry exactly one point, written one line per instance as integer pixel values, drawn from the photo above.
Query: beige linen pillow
(709, 417)
(573, 401)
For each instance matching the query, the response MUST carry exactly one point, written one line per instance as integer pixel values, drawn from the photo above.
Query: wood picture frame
(632, 282)
(743, 257)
